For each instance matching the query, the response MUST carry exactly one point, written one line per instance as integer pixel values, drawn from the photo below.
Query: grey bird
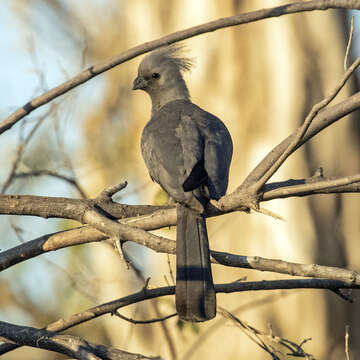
(188, 152)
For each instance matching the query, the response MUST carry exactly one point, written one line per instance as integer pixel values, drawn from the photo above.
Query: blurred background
(261, 79)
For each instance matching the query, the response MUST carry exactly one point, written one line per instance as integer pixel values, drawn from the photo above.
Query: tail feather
(195, 293)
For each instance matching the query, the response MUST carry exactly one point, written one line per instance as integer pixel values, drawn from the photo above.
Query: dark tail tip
(195, 293)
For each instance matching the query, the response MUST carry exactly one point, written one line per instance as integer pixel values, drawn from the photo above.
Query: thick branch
(170, 39)
(73, 208)
(86, 234)
(58, 207)
(65, 344)
(78, 236)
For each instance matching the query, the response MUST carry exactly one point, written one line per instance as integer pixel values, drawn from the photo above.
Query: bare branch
(204, 335)
(161, 218)
(95, 70)
(285, 267)
(299, 133)
(167, 334)
(82, 235)
(323, 119)
(136, 322)
(265, 339)
(86, 234)
(107, 194)
(349, 43)
(72, 181)
(21, 148)
(306, 187)
(73, 346)
(53, 207)
(146, 294)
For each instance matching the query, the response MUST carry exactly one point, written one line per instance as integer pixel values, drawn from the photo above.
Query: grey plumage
(188, 152)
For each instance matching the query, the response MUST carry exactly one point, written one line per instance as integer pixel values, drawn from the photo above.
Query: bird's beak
(139, 83)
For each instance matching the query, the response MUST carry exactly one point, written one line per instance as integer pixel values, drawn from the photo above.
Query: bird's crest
(173, 54)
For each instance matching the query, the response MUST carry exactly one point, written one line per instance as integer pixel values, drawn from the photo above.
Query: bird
(188, 152)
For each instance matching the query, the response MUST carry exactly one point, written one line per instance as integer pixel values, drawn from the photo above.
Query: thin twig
(261, 338)
(349, 43)
(21, 148)
(110, 191)
(75, 283)
(205, 335)
(136, 322)
(347, 355)
(44, 172)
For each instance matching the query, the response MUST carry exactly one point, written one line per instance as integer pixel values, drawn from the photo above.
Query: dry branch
(323, 119)
(44, 172)
(146, 294)
(265, 339)
(300, 132)
(39, 246)
(73, 346)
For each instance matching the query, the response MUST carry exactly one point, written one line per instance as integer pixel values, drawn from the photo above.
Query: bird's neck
(160, 99)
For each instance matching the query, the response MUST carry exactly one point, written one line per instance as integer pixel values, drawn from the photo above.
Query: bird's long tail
(195, 293)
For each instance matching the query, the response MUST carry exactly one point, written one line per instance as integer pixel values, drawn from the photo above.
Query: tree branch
(284, 267)
(146, 294)
(73, 346)
(44, 172)
(300, 132)
(95, 70)
(323, 119)
(311, 186)
(86, 234)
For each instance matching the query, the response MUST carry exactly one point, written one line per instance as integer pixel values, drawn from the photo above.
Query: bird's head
(160, 74)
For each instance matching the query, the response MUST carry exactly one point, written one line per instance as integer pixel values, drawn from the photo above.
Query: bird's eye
(155, 75)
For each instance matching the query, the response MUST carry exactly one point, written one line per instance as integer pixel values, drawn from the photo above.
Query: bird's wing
(211, 150)
(192, 146)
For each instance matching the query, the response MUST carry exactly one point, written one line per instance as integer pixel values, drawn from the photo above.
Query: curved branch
(323, 119)
(72, 181)
(300, 132)
(146, 294)
(95, 70)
